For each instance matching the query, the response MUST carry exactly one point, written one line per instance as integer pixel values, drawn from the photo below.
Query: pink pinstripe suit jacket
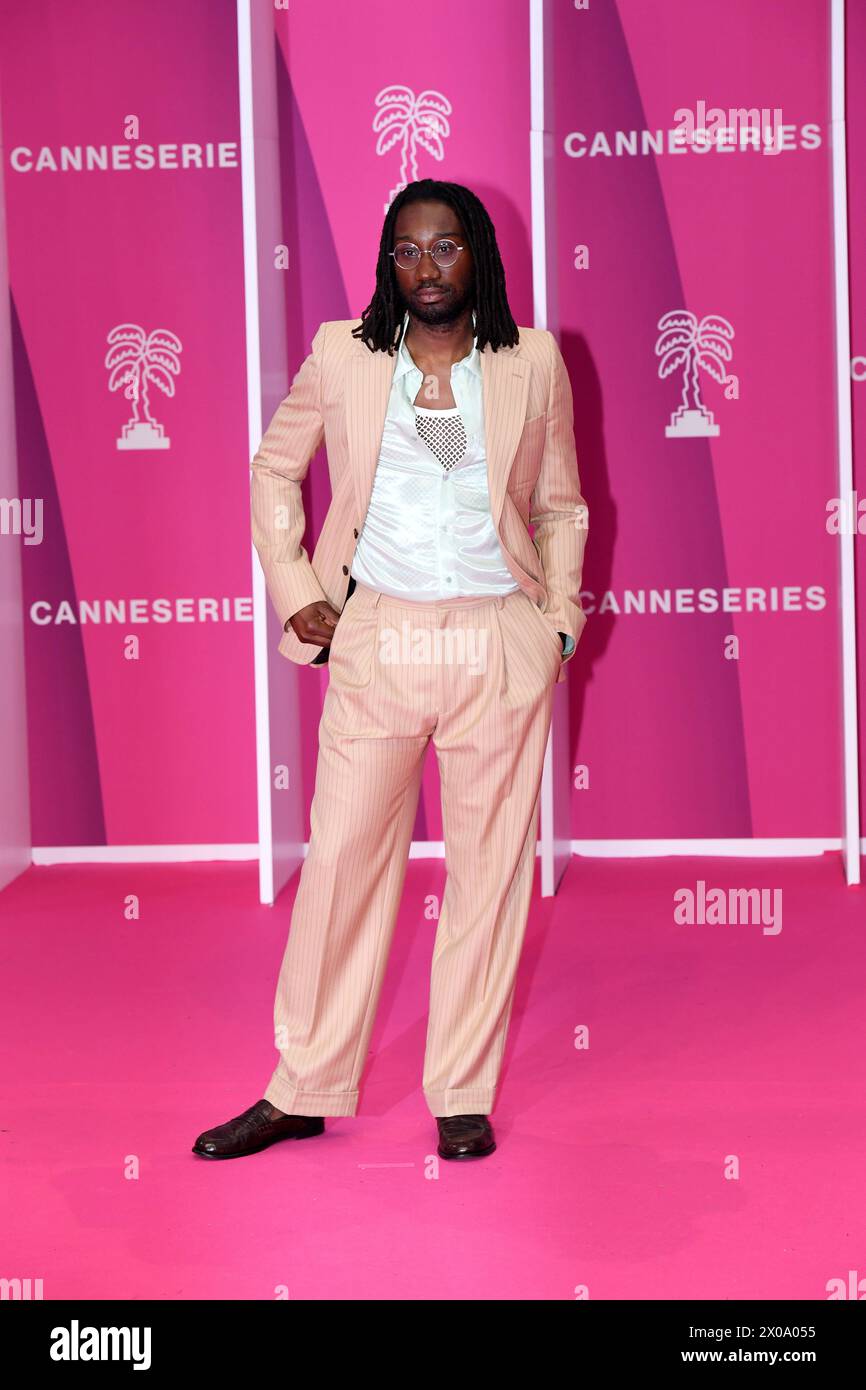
(340, 394)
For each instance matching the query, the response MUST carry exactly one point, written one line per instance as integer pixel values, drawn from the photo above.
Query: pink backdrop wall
(158, 749)
(336, 186)
(679, 741)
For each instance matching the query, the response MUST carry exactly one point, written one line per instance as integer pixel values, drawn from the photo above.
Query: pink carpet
(124, 1039)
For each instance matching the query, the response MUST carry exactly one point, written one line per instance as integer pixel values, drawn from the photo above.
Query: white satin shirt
(429, 533)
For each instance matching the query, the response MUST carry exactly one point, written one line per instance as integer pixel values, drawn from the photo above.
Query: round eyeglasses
(407, 255)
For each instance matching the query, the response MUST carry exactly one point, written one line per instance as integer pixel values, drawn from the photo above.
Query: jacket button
(345, 569)
(355, 533)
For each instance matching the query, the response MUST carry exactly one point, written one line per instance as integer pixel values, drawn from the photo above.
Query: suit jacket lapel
(504, 390)
(367, 392)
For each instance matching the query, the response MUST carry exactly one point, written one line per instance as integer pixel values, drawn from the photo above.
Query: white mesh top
(443, 433)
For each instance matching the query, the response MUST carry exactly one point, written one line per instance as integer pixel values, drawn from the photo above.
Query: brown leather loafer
(254, 1130)
(465, 1136)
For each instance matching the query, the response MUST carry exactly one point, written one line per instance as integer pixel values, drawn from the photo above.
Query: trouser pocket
(354, 647)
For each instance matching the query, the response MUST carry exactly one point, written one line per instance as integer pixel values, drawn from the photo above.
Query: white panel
(15, 799)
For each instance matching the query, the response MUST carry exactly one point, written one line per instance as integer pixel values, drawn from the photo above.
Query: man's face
(434, 294)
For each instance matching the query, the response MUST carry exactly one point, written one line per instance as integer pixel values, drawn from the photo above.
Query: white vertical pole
(850, 752)
(545, 315)
(16, 847)
(254, 424)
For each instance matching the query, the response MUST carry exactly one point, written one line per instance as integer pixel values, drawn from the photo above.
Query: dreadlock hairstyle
(382, 319)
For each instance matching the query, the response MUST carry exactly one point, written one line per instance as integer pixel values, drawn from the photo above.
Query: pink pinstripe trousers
(477, 676)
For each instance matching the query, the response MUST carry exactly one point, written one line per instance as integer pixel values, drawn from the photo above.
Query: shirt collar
(404, 358)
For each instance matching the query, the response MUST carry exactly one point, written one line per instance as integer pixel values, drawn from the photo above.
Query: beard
(444, 311)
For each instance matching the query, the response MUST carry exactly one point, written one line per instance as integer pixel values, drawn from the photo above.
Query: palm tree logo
(686, 342)
(412, 121)
(137, 361)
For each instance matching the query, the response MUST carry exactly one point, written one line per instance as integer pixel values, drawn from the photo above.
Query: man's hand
(314, 624)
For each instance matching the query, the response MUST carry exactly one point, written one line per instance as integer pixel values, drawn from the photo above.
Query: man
(448, 432)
